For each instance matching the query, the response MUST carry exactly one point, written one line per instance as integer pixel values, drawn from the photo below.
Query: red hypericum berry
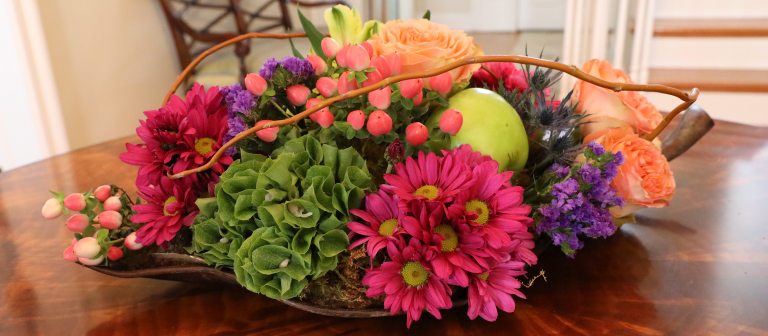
(330, 47)
(418, 99)
(324, 117)
(109, 219)
(409, 88)
(357, 57)
(91, 262)
(102, 192)
(373, 78)
(69, 253)
(368, 48)
(416, 134)
(379, 123)
(327, 86)
(388, 65)
(317, 63)
(77, 223)
(356, 119)
(113, 203)
(87, 247)
(74, 202)
(450, 121)
(131, 243)
(347, 82)
(52, 208)
(380, 98)
(441, 83)
(114, 253)
(297, 94)
(255, 84)
(267, 134)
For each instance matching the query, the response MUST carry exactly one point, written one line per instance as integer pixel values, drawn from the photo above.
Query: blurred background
(80, 72)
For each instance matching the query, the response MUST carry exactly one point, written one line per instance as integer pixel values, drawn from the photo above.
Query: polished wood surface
(697, 267)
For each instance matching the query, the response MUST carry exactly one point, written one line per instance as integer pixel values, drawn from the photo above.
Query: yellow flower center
(414, 274)
(450, 239)
(203, 146)
(483, 276)
(168, 202)
(480, 208)
(428, 191)
(387, 227)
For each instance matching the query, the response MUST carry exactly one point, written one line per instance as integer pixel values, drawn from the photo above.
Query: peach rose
(644, 179)
(424, 45)
(607, 108)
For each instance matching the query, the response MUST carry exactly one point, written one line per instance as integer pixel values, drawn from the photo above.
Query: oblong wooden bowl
(187, 268)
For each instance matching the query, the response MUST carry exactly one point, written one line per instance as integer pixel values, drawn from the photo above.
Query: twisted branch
(688, 98)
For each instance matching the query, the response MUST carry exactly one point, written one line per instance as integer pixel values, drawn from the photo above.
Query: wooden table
(699, 266)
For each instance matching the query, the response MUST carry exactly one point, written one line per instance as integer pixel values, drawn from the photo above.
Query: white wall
(111, 61)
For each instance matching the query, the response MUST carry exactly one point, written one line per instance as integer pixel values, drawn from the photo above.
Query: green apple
(491, 126)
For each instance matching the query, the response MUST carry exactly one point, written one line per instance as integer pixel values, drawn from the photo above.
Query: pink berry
(102, 192)
(113, 203)
(327, 86)
(114, 253)
(416, 134)
(409, 88)
(373, 78)
(368, 48)
(311, 102)
(131, 243)
(91, 262)
(317, 63)
(330, 47)
(418, 99)
(255, 84)
(450, 121)
(77, 223)
(109, 219)
(87, 247)
(297, 94)
(52, 208)
(356, 119)
(357, 58)
(69, 254)
(441, 83)
(379, 123)
(267, 134)
(380, 98)
(347, 82)
(74, 202)
(324, 117)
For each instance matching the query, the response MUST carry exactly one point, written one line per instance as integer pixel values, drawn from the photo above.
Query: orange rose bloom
(423, 45)
(644, 179)
(607, 108)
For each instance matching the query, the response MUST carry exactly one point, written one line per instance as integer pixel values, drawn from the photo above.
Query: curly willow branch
(688, 98)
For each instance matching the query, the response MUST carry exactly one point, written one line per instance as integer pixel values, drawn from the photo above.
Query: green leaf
(331, 243)
(315, 36)
(427, 15)
(207, 206)
(270, 259)
(295, 51)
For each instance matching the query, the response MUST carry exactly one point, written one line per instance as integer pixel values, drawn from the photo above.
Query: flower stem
(279, 108)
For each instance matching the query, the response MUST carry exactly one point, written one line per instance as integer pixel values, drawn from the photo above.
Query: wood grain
(697, 267)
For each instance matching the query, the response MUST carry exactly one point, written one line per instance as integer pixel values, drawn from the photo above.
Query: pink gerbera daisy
(408, 283)
(451, 248)
(464, 153)
(493, 207)
(428, 178)
(494, 289)
(168, 207)
(382, 222)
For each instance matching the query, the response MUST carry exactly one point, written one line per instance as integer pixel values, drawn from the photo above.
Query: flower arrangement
(422, 175)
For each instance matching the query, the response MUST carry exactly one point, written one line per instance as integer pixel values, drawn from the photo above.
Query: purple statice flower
(268, 68)
(297, 66)
(235, 125)
(579, 200)
(238, 100)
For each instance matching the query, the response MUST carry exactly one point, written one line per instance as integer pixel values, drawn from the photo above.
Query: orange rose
(644, 179)
(423, 45)
(607, 108)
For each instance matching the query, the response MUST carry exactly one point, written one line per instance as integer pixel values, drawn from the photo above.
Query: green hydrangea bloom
(278, 220)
